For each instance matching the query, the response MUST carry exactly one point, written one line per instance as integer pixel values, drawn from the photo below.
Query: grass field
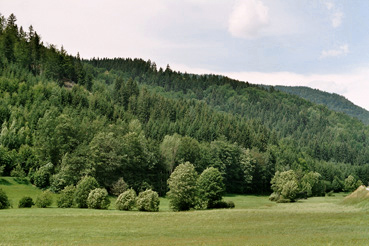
(254, 221)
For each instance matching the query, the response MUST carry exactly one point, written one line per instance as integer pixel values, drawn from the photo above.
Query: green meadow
(254, 221)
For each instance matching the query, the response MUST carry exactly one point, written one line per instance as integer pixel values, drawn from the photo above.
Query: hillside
(126, 118)
(333, 101)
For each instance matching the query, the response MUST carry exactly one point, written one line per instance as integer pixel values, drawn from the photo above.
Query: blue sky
(318, 43)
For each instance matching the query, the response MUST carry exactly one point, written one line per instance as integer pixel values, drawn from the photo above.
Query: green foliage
(337, 184)
(148, 201)
(44, 200)
(331, 100)
(210, 186)
(4, 201)
(98, 199)
(42, 176)
(182, 187)
(18, 172)
(350, 184)
(312, 184)
(285, 186)
(25, 202)
(66, 197)
(119, 187)
(169, 148)
(126, 200)
(83, 189)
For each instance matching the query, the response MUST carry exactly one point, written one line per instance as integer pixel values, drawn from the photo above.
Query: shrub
(210, 186)
(66, 197)
(337, 184)
(231, 204)
(44, 200)
(148, 201)
(126, 200)
(119, 187)
(98, 199)
(25, 202)
(41, 177)
(285, 186)
(18, 172)
(183, 187)
(83, 189)
(4, 201)
(350, 183)
(313, 184)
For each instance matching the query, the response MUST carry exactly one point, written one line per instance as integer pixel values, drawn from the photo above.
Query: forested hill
(63, 118)
(333, 101)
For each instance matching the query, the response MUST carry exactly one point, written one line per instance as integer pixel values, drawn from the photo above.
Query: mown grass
(254, 221)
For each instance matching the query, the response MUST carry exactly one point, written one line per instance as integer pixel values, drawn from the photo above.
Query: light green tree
(285, 186)
(210, 186)
(98, 199)
(183, 187)
(83, 189)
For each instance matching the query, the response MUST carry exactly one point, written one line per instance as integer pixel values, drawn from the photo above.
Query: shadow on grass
(21, 181)
(4, 182)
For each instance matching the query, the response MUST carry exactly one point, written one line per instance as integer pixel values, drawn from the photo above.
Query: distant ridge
(333, 101)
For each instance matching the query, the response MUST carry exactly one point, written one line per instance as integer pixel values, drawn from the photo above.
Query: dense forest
(63, 118)
(333, 101)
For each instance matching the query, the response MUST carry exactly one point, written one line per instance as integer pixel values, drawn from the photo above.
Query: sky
(322, 44)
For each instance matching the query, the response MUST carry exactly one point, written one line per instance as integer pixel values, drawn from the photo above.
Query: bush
(231, 204)
(119, 187)
(66, 197)
(25, 202)
(83, 189)
(4, 201)
(44, 200)
(148, 201)
(210, 186)
(126, 200)
(350, 184)
(41, 177)
(183, 187)
(18, 172)
(285, 186)
(98, 199)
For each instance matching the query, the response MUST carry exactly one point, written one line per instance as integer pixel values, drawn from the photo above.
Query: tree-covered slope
(125, 118)
(333, 101)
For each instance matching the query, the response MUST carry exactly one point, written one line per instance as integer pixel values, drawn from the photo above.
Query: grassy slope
(254, 221)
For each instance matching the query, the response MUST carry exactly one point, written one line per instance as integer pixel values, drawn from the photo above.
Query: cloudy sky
(323, 44)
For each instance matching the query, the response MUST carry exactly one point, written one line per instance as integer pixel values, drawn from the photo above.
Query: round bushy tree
(148, 201)
(83, 189)
(41, 177)
(350, 184)
(183, 187)
(211, 187)
(25, 202)
(44, 200)
(4, 201)
(98, 199)
(66, 197)
(285, 186)
(126, 200)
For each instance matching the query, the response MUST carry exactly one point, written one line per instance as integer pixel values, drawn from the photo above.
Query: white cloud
(340, 51)
(336, 15)
(248, 18)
